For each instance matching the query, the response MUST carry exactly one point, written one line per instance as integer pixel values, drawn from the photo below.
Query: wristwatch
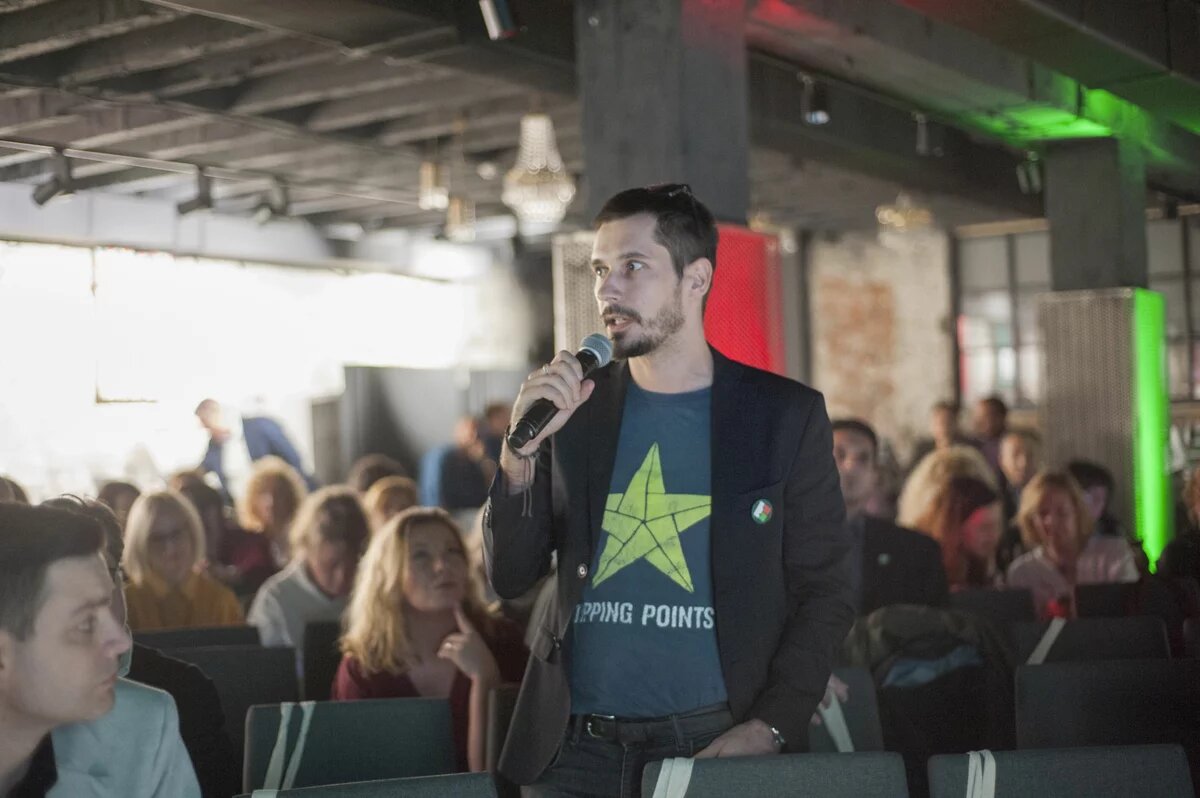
(778, 737)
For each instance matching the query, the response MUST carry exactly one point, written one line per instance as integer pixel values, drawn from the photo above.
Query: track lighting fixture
(61, 184)
(202, 201)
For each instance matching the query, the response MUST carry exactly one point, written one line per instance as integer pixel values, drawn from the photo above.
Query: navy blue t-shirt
(644, 635)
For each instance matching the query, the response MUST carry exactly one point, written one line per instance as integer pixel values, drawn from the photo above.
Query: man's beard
(666, 323)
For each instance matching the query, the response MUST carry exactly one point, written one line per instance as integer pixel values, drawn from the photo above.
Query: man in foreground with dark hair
(895, 565)
(703, 574)
(69, 727)
(201, 719)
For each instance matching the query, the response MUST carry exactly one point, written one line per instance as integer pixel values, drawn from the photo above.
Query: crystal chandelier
(904, 216)
(538, 188)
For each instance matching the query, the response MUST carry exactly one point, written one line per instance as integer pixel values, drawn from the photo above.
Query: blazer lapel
(604, 420)
(729, 465)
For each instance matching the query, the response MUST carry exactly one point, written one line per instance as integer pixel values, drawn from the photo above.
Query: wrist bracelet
(531, 456)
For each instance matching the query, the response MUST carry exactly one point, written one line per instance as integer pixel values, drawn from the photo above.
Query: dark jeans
(600, 757)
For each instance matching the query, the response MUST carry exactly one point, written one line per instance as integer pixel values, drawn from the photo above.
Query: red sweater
(506, 645)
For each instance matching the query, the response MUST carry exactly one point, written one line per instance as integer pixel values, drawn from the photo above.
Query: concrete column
(1095, 203)
(663, 90)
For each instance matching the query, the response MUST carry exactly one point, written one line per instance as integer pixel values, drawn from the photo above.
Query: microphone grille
(600, 346)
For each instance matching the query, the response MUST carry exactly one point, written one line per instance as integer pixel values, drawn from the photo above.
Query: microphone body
(595, 352)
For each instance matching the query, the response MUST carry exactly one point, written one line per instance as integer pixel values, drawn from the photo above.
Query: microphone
(595, 352)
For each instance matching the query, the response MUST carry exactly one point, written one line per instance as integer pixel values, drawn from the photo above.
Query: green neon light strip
(1151, 482)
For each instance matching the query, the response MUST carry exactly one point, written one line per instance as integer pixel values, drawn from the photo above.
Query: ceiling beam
(166, 45)
(416, 98)
(324, 83)
(9, 6)
(46, 28)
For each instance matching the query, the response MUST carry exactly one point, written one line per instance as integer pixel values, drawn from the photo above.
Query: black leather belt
(653, 730)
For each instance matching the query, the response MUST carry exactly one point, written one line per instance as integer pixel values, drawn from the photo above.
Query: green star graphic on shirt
(644, 522)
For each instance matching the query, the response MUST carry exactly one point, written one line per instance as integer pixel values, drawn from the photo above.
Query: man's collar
(41, 775)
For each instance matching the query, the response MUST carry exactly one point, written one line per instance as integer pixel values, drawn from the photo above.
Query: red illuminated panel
(744, 320)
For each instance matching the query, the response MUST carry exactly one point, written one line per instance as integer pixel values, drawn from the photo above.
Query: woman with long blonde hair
(164, 548)
(1062, 551)
(966, 519)
(416, 626)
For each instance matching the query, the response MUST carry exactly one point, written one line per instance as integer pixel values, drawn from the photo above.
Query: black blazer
(782, 590)
(201, 721)
(900, 566)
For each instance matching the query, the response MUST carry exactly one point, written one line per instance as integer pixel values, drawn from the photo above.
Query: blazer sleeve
(818, 569)
(171, 774)
(518, 530)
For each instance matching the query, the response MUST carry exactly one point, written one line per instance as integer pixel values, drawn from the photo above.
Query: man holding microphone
(694, 507)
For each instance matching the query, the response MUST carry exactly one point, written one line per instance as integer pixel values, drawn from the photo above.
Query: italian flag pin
(761, 511)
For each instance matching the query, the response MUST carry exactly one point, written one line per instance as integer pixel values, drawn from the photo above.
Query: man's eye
(635, 265)
(88, 626)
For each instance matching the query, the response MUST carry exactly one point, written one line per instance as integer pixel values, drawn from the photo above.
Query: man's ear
(698, 277)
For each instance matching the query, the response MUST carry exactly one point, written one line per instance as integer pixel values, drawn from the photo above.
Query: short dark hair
(1091, 475)
(370, 468)
(31, 540)
(861, 427)
(98, 512)
(14, 489)
(113, 489)
(682, 223)
(996, 405)
(946, 405)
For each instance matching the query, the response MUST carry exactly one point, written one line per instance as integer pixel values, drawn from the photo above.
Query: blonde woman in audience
(387, 498)
(417, 627)
(164, 547)
(966, 519)
(273, 494)
(931, 476)
(328, 537)
(1062, 551)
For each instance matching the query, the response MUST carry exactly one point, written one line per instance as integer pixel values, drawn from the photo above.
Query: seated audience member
(931, 476)
(201, 721)
(896, 565)
(465, 473)
(387, 498)
(70, 727)
(1096, 483)
(240, 559)
(1062, 551)
(944, 432)
(12, 489)
(273, 495)
(1181, 557)
(328, 537)
(966, 520)
(495, 421)
(119, 497)
(1020, 459)
(164, 546)
(370, 468)
(990, 420)
(416, 627)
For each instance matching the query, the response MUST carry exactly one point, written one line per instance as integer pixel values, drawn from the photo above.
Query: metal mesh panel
(1088, 379)
(575, 313)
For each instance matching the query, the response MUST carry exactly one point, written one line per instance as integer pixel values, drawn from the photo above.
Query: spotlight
(498, 17)
(814, 102)
(202, 201)
(274, 204)
(60, 185)
(1029, 174)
